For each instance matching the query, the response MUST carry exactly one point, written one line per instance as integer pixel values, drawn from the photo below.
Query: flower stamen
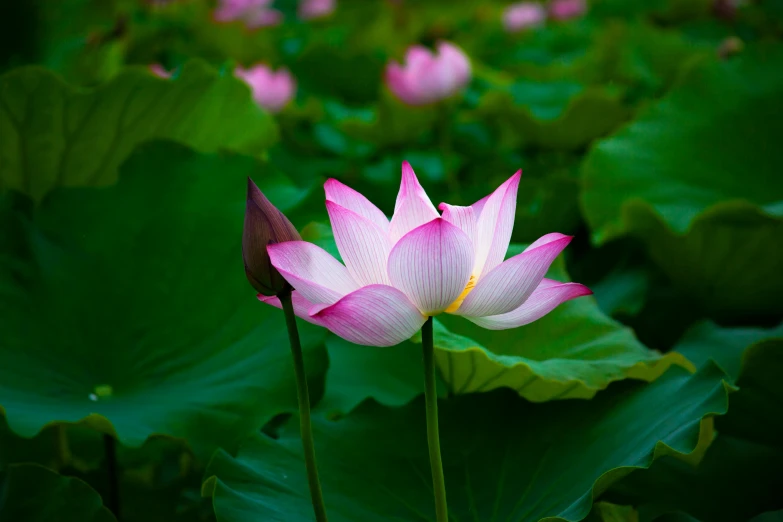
(458, 302)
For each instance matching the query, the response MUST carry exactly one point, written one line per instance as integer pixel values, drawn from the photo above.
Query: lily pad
(34, 493)
(697, 178)
(560, 116)
(392, 377)
(504, 458)
(571, 353)
(725, 346)
(727, 263)
(740, 474)
(126, 307)
(56, 134)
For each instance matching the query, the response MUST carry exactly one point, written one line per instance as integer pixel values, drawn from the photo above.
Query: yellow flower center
(456, 304)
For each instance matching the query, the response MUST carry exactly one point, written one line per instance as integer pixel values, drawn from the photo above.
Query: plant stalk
(305, 425)
(433, 437)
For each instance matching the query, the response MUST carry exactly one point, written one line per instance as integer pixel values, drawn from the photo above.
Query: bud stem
(433, 437)
(305, 427)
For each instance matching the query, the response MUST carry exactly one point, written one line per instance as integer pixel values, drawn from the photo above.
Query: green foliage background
(132, 345)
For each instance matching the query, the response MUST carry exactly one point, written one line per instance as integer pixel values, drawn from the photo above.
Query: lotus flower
(422, 263)
(309, 9)
(427, 77)
(254, 13)
(567, 9)
(524, 15)
(271, 89)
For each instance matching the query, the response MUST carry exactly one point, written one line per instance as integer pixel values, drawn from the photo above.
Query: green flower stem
(433, 438)
(305, 426)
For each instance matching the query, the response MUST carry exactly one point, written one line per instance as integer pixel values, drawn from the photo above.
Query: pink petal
(478, 206)
(363, 246)
(463, 218)
(544, 299)
(455, 65)
(375, 315)
(513, 281)
(413, 207)
(417, 55)
(302, 306)
(397, 82)
(312, 271)
(494, 225)
(271, 89)
(348, 198)
(432, 264)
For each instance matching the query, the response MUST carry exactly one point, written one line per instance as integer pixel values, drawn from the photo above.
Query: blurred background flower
(271, 89)
(427, 76)
(253, 13)
(524, 15)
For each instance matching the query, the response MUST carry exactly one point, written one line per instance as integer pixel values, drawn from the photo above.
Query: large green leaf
(55, 134)
(557, 115)
(32, 493)
(725, 346)
(571, 353)
(391, 376)
(504, 458)
(712, 140)
(697, 178)
(740, 474)
(127, 307)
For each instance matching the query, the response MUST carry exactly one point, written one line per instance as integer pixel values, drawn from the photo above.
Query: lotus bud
(264, 225)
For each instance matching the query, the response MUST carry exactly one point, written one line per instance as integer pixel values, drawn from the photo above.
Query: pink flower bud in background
(309, 9)
(272, 90)
(567, 9)
(524, 15)
(159, 71)
(254, 13)
(427, 77)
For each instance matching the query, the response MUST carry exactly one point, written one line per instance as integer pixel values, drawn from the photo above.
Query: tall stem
(110, 451)
(305, 426)
(433, 438)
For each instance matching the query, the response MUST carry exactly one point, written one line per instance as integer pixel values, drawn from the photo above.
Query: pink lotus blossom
(309, 9)
(272, 90)
(422, 263)
(567, 9)
(254, 13)
(524, 15)
(160, 71)
(427, 77)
